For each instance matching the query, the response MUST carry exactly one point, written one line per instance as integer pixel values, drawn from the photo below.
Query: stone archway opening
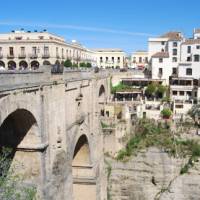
(84, 183)
(12, 65)
(19, 135)
(46, 62)
(23, 65)
(2, 64)
(35, 65)
(102, 91)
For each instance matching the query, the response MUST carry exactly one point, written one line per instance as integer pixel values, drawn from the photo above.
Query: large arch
(12, 65)
(84, 184)
(23, 64)
(18, 133)
(35, 65)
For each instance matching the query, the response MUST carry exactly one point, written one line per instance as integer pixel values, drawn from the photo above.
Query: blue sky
(125, 24)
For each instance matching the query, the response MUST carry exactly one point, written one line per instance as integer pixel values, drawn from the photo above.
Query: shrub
(68, 63)
(88, 65)
(83, 64)
(150, 90)
(166, 113)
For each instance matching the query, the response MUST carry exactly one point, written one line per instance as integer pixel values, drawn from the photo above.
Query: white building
(20, 49)
(164, 54)
(110, 58)
(139, 59)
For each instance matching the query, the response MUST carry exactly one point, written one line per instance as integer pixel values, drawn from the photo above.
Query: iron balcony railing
(10, 56)
(46, 55)
(22, 55)
(33, 56)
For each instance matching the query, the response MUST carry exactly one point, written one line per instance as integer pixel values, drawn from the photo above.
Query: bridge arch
(84, 181)
(19, 134)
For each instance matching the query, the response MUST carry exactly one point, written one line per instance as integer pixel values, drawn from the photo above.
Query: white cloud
(75, 27)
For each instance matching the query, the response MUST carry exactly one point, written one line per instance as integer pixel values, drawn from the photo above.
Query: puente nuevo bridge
(52, 124)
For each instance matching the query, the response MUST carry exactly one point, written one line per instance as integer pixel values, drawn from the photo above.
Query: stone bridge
(51, 123)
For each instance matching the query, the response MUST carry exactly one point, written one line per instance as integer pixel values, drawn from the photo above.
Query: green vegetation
(11, 184)
(195, 113)
(85, 65)
(120, 87)
(166, 113)
(75, 65)
(155, 90)
(68, 63)
(104, 125)
(149, 134)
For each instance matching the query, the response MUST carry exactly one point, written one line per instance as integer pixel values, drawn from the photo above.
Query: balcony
(46, 56)
(10, 56)
(33, 56)
(22, 56)
(1, 56)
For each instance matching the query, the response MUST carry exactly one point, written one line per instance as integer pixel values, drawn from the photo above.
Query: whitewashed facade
(20, 49)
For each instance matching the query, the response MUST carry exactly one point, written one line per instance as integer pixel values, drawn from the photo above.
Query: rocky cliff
(153, 175)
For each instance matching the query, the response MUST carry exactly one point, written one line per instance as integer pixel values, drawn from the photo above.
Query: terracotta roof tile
(161, 55)
(172, 35)
(191, 41)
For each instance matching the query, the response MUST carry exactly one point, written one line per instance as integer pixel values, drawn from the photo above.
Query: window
(134, 59)
(118, 59)
(160, 72)
(175, 44)
(174, 70)
(101, 59)
(106, 59)
(189, 93)
(179, 106)
(174, 59)
(188, 71)
(146, 59)
(162, 43)
(34, 50)
(174, 93)
(189, 59)
(140, 59)
(11, 51)
(189, 49)
(160, 60)
(182, 93)
(196, 58)
(57, 51)
(174, 52)
(113, 59)
(198, 47)
(46, 50)
(162, 50)
(22, 50)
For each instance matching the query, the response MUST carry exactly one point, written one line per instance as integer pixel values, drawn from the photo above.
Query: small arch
(102, 91)
(12, 65)
(46, 62)
(35, 65)
(57, 62)
(81, 156)
(2, 64)
(23, 64)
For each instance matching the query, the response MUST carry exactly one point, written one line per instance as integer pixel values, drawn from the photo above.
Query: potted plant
(166, 113)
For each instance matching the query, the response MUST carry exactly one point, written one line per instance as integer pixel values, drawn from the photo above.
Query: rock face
(153, 175)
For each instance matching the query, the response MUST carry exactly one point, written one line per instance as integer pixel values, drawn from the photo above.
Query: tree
(68, 63)
(11, 184)
(75, 65)
(88, 65)
(150, 90)
(83, 65)
(194, 113)
(161, 90)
